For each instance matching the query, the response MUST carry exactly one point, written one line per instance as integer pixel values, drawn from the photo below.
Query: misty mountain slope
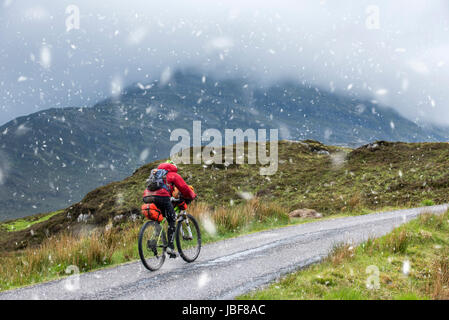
(52, 158)
(332, 118)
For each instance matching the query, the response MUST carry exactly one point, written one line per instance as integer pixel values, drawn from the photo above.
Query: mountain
(52, 158)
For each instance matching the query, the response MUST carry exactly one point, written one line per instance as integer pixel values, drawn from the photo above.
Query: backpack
(158, 180)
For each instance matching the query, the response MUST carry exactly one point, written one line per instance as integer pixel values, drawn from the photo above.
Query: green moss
(427, 203)
(25, 223)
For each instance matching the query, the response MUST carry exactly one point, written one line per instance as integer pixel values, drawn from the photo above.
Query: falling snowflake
(203, 280)
(165, 76)
(116, 86)
(406, 267)
(382, 92)
(144, 154)
(245, 195)
(45, 57)
(209, 225)
(137, 36)
(2, 176)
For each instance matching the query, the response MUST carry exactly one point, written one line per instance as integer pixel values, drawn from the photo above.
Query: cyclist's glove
(189, 201)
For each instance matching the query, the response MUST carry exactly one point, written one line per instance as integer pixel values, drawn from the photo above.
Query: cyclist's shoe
(171, 252)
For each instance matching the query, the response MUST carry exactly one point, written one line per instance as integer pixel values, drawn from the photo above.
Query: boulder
(305, 213)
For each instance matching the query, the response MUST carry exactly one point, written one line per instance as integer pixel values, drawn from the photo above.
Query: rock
(83, 218)
(305, 213)
(118, 218)
(108, 227)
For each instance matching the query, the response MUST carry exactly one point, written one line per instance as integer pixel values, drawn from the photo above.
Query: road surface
(227, 268)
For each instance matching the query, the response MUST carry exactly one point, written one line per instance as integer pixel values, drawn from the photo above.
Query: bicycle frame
(180, 217)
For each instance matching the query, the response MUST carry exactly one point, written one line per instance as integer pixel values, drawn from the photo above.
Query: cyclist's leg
(164, 204)
(171, 219)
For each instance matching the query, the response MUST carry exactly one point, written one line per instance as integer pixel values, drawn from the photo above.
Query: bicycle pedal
(172, 255)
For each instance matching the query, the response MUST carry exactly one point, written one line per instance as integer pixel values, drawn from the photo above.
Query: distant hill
(52, 158)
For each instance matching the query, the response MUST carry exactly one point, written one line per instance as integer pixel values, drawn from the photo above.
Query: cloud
(393, 51)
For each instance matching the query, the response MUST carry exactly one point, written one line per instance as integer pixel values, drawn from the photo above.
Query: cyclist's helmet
(171, 162)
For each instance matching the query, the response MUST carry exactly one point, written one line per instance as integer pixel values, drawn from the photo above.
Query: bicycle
(153, 242)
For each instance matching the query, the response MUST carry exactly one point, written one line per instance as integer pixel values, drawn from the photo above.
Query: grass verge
(412, 262)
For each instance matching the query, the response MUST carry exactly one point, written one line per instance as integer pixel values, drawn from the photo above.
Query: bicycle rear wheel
(152, 245)
(188, 238)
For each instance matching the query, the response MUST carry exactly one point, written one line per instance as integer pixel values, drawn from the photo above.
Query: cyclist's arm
(182, 186)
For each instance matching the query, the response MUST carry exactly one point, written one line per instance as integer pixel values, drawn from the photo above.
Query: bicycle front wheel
(152, 245)
(188, 238)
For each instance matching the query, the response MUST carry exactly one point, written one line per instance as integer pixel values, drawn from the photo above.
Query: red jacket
(173, 180)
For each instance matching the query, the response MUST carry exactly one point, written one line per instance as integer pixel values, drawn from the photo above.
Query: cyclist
(162, 198)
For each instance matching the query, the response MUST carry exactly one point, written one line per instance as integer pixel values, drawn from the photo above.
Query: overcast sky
(396, 52)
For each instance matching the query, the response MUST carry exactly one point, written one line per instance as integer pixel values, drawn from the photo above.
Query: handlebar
(181, 199)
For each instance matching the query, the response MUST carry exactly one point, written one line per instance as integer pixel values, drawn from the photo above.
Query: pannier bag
(150, 211)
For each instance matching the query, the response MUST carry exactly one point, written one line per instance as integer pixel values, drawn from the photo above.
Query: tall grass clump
(266, 211)
(234, 218)
(427, 203)
(395, 242)
(433, 221)
(199, 210)
(51, 259)
(340, 253)
(438, 286)
(356, 201)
